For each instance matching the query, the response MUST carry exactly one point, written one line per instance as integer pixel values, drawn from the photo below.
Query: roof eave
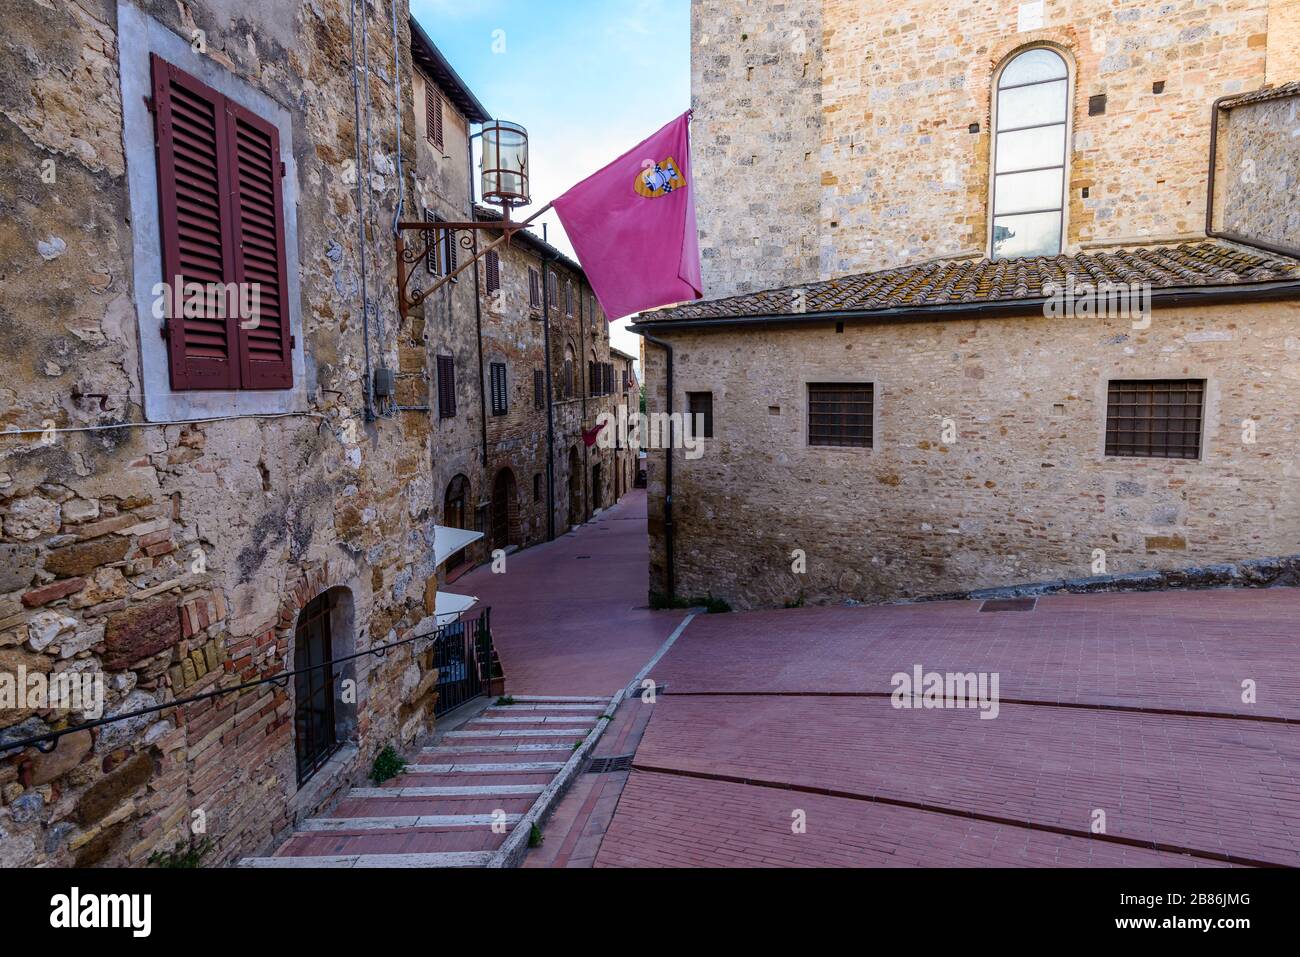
(463, 98)
(1164, 298)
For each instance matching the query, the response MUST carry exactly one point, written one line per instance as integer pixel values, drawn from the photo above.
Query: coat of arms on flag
(659, 179)
(638, 255)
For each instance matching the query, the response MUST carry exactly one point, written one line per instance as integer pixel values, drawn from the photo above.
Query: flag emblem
(659, 179)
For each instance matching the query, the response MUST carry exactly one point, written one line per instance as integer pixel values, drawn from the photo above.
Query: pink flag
(633, 225)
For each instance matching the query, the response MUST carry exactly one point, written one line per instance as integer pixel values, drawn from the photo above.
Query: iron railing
(466, 662)
(476, 629)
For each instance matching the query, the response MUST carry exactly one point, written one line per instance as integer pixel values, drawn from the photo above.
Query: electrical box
(385, 384)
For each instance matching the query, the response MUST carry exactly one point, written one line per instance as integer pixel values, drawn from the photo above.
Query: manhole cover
(1009, 604)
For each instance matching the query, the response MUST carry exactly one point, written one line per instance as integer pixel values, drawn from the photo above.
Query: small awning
(448, 541)
(450, 606)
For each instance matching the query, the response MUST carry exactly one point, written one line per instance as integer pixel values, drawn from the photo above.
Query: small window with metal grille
(1155, 418)
(840, 414)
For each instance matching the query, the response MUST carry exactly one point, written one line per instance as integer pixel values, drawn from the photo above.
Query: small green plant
(535, 838)
(182, 855)
(505, 701)
(576, 745)
(606, 717)
(388, 764)
(715, 606)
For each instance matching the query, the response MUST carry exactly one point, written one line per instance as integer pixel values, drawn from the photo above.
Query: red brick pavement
(944, 787)
(570, 617)
(665, 821)
(1174, 650)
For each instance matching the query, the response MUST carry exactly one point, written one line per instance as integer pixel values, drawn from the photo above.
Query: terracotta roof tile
(1189, 266)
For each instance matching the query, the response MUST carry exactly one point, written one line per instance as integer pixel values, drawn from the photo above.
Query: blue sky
(589, 79)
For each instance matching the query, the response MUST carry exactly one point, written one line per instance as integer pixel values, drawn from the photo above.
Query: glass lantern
(505, 164)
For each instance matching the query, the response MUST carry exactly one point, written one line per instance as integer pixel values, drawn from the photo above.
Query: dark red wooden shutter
(493, 269)
(446, 387)
(431, 257)
(195, 207)
(534, 288)
(258, 202)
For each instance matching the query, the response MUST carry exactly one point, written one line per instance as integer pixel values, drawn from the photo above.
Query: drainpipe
(668, 471)
(586, 379)
(550, 404)
(478, 329)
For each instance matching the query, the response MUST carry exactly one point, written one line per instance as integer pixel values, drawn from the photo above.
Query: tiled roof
(985, 282)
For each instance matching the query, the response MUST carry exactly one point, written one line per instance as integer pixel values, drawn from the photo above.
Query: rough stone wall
(1024, 493)
(1259, 163)
(174, 559)
(756, 86)
(885, 110)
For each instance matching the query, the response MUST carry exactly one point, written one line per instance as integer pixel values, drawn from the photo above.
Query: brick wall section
(102, 532)
(1024, 494)
(882, 100)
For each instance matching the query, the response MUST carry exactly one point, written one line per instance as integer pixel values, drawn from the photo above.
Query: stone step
(501, 733)
(493, 748)
(546, 708)
(482, 790)
(445, 859)
(400, 823)
(550, 766)
(560, 699)
(537, 719)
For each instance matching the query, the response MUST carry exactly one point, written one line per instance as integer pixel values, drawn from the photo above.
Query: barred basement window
(840, 414)
(500, 396)
(315, 737)
(1155, 418)
(700, 405)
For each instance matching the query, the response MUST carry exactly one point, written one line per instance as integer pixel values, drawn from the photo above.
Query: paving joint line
(1028, 702)
(962, 813)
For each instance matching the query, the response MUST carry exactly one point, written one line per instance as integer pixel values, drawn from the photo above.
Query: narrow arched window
(1029, 155)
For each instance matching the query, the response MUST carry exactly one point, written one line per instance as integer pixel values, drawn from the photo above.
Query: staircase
(456, 802)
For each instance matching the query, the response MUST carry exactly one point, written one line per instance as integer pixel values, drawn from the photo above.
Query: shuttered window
(222, 219)
(440, 259)
(433, 115)
(553, 289)
(534, 289)
(840, 414)
(446, 387)
(539, 389)
(700, 405)
(568, 298)
(1156, 418)
(492, 267)
(500, 395)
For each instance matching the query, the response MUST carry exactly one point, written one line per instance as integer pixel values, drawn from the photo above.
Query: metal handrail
(282, 680)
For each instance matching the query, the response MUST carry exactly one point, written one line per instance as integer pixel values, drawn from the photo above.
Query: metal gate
(462, 653)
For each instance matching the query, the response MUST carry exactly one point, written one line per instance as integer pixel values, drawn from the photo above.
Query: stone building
(900, 406)
(195, 498)
(508, 424)
(628, 389)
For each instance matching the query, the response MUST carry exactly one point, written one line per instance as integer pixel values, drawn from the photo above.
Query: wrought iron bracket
(411, 258)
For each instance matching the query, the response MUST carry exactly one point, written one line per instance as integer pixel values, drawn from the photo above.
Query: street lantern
(505, 165)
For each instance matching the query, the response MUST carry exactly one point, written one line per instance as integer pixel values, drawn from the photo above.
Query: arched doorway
(315, 737)
(503, 503)
(455, 513)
